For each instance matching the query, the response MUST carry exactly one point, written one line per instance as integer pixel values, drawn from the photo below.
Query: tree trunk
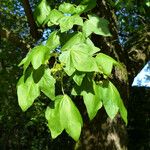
(33, 27)
(103, 133)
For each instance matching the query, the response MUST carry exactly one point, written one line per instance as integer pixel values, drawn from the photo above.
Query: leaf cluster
(79, 60)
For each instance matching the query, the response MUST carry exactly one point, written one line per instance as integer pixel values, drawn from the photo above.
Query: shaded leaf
(47, 84)
(78, 77)
(86, 86)
(85, 6)
(27, 92)
(38, 73)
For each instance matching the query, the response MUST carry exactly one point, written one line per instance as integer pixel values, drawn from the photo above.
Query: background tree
(100, 133)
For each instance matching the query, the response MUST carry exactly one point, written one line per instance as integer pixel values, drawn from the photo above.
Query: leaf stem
(62, 84)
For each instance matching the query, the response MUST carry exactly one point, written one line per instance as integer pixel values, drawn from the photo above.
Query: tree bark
(103, 133)
(33, 27)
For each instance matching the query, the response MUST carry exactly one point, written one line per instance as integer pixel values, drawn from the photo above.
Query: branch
(13, 38)
(33, 27)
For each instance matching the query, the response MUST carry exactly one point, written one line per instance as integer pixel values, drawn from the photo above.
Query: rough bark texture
(138, 51)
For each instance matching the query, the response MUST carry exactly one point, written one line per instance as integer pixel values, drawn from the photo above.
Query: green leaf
(40, 56)
(67, 8)
(92, 49)
(37, 56)
(120, 104)
(27, 92)
(82, 61)
(79, 58)
(70, 118)
(38, 73)
(53, 40)
(78, 77)
(64, 115)
(148, 4)
(92, 102)
(90, 92)
(106, 63)
(65, 58)
(67, 22)
(96, 25)
(52, 115)
(85, 6)
(41, 12)
(86, 86)
(54, 17)
(25, 62)
(47, 84)
(109, 98)
(76, 39)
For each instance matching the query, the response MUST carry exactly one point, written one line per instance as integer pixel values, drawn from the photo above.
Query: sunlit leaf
(70, 117)
(53, 40)
(65, 58)
(148, 4)
(92, 49)
(41, 12)
(67, 22)
(37, 56)
(106, 63)
(53, 17)
(111, 100)
(52, 115)
(74, 40)
(92, 101)
(121, 106)
(67, 8)
(40, 56)
(82, 61)
(64, 115)
(79, 58)
(96, 25)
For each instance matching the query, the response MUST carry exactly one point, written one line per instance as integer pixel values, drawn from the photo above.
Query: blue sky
(143, 77)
